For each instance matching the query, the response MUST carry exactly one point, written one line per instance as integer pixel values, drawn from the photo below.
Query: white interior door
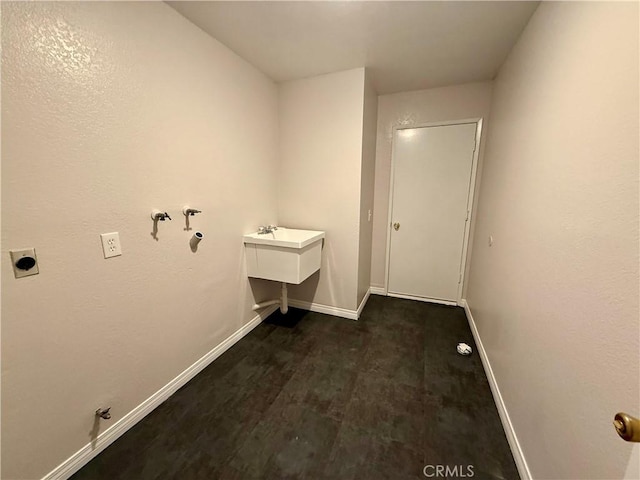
(431, 185)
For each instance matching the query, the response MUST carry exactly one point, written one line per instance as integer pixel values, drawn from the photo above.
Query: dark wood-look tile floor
(313, 396)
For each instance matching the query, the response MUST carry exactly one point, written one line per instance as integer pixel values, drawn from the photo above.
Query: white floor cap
(464, 349)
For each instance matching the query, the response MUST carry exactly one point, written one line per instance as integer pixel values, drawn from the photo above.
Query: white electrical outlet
(111, 244)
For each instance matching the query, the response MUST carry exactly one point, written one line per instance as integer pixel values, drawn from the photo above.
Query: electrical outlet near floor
(111, 244)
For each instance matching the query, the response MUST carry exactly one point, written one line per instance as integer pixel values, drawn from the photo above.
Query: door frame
(470, 206)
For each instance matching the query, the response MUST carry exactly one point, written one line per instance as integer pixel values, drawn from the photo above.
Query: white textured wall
(633, 468)
(414, 108)
(367, 184)
(110, 110)
(556, 296)
(321, 122)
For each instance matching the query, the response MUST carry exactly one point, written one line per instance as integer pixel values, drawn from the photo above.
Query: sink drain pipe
(282, 301)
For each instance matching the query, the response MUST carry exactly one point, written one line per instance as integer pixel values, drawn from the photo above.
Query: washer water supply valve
(157, 215)
(189, 212)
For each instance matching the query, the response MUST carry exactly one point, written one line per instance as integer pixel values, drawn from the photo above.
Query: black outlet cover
(26, 263)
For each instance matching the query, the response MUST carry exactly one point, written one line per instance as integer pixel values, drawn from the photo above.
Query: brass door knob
(396, 226)
(628, 427)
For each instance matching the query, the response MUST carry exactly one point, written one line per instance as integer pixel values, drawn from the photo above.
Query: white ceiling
(406, 45)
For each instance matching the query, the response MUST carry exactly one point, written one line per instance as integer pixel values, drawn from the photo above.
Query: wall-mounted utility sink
(284, 255)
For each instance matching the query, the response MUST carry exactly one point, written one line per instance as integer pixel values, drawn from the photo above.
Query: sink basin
(286, 255)
(285, 237)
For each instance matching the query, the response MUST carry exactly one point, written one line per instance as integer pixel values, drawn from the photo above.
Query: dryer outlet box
(24, 262)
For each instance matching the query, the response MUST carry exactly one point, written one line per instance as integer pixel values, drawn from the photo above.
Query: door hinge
(460, 279)
(468, 215)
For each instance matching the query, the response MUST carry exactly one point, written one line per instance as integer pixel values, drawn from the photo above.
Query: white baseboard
(516, 450)
(363, 303)
(383, 291)
(329, 310)
(319, 308)
(422, 299)
(87, 453)
(377, 290)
